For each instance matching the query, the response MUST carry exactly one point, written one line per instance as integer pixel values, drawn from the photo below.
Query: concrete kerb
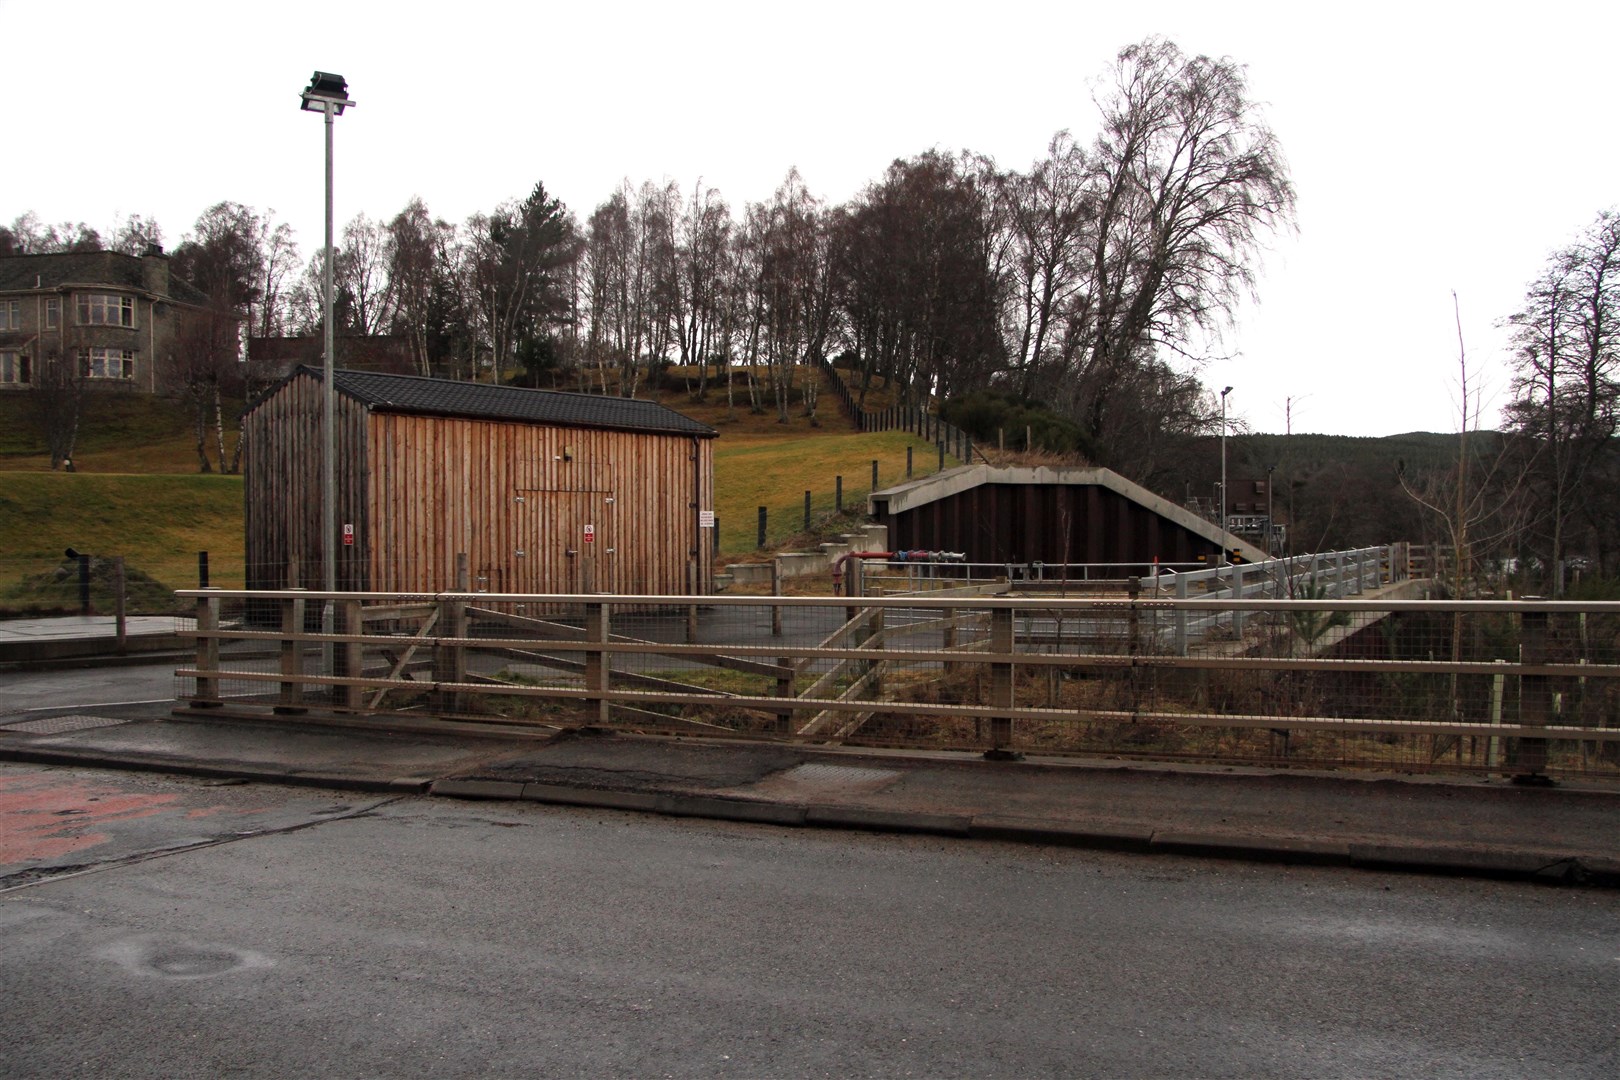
(1529, 863)
(707, 806)
(1252, 849)
(1032, 831)
(477, 789)
(896, 821)
(124, 763)
(1450, 861)
(1507, 864)
(1501, 863)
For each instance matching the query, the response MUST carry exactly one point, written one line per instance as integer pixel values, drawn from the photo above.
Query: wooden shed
(544, 492)
(1049, 515)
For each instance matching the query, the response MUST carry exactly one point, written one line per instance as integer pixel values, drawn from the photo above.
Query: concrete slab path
(1466, 826)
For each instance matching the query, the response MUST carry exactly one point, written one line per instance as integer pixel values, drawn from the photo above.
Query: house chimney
(155, 270)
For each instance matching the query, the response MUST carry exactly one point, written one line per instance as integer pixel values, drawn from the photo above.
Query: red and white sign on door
(590, 534)
(348, 535)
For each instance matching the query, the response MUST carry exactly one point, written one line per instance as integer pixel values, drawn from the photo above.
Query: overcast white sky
(1434, 147)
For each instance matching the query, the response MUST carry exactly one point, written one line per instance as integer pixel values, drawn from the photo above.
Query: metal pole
(1222, 509)
(120, 604)
(328, 417)
(1535, 700)
(1271, 525)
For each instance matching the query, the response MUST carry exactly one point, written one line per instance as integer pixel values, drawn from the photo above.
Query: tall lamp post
(1224, 392)
(1271, 522)
(328, 94)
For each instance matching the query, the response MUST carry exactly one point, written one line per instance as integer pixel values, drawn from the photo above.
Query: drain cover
(57, 725)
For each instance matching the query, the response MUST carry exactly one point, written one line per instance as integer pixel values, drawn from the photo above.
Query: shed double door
(568, 539)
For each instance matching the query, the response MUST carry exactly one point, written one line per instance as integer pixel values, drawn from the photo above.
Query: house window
(10, 314)
(15, 369)
(106, 309)
(108, 364)
(53, 312)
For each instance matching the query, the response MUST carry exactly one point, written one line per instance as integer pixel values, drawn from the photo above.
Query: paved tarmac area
(136, 690)
(432, 937)
(55, 821)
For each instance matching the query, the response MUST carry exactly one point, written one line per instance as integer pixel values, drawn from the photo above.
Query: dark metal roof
(484, 401)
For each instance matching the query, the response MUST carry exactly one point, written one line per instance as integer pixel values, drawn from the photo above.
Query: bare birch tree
(1566, 384)
(360, 272)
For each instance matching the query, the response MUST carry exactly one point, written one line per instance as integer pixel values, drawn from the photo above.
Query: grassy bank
(118, 432)
(137, 491)
(755, 471)
(157, 522)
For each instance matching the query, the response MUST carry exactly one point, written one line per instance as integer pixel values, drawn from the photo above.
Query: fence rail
(947, 437)
(1527, 688)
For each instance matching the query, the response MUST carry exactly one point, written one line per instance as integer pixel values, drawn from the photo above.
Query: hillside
(138, 491)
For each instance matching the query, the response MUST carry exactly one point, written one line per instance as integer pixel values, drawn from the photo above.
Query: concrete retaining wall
(809, 563)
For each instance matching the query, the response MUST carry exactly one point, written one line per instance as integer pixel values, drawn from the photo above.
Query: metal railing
(1328, 576)
(1520, 687)
(1325, 576)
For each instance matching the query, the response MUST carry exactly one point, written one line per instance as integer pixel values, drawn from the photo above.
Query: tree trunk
(200, 424)
(219, 428)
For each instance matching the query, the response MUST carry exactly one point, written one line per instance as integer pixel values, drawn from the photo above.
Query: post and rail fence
(1222, 674)
(946, 437)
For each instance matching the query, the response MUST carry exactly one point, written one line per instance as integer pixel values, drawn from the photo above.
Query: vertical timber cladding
(537, 508)
(282, 488)
(543, 491)
(1063, 515)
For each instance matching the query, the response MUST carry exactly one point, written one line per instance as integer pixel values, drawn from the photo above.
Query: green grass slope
(157, 522)
(158, 514)
(750, 472)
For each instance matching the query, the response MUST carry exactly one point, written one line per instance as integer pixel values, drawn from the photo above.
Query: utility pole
(1222, 559)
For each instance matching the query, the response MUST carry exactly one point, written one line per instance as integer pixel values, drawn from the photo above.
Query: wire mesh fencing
(1522, 688)
(100, 582)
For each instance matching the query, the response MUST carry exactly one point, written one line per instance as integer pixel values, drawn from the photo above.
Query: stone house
(122, 320)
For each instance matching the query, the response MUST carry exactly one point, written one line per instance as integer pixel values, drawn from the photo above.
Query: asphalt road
(133, 690)
(426, 937)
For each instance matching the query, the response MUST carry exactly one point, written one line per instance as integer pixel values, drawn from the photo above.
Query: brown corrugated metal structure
(545, 492)
(1049, 515)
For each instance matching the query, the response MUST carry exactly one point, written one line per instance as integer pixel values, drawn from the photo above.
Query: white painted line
(95, 705)
(113, 704)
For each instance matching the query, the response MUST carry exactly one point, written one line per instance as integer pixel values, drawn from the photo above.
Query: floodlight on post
(1224, 392)
(328, 94)
(326, 90)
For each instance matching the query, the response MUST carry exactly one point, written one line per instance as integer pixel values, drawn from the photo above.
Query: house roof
(110, 268)
(416, 394)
